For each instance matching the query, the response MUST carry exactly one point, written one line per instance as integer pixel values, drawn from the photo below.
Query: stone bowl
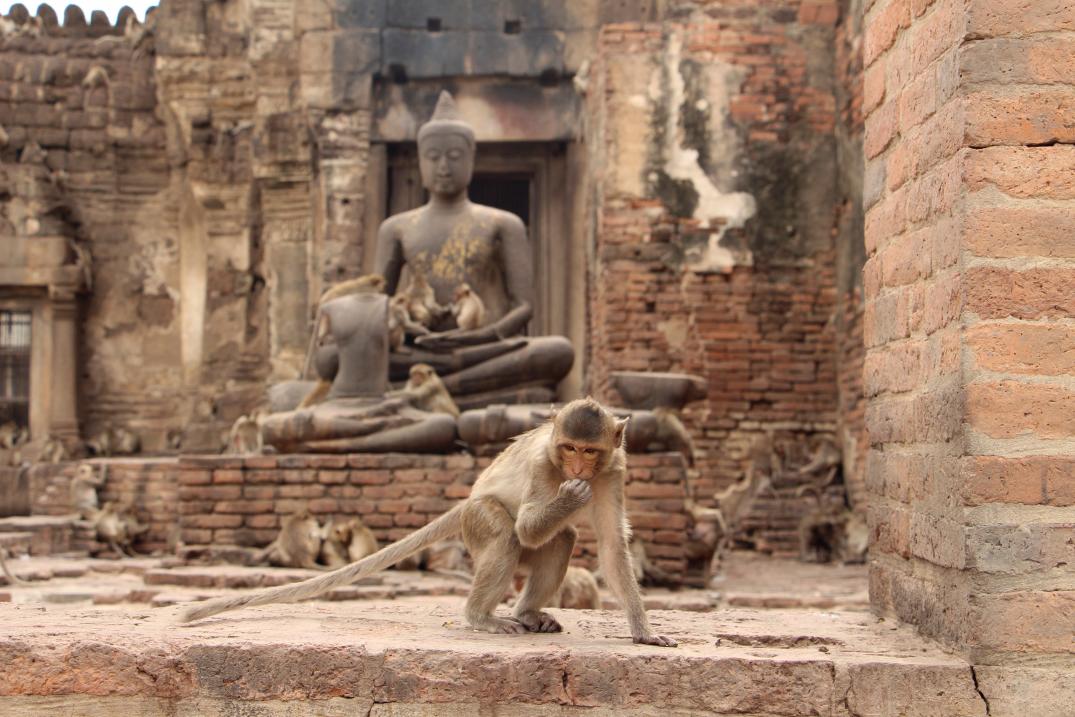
(643, 390)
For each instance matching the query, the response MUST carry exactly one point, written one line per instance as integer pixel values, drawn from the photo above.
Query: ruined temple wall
(850, 250)
(726, 112)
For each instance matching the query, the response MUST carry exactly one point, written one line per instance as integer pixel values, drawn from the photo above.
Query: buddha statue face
(446, 161)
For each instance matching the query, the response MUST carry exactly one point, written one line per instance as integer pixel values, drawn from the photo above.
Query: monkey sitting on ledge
(519, 512)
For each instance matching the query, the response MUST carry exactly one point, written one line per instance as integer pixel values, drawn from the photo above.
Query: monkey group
(412, 311)
(520, 513)
(304, 543)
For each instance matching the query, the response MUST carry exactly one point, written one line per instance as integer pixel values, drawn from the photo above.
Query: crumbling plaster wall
(715, 208)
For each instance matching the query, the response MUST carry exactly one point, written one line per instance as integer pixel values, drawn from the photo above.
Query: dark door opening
(15, 367)
(510, 192)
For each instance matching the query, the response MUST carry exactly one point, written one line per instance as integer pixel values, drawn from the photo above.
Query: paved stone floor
(104, 641)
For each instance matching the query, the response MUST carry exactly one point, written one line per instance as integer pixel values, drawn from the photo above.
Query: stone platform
(416, 657)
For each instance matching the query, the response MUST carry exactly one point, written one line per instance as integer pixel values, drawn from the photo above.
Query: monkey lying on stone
(520, 510)
(298, 545)
(578, 591)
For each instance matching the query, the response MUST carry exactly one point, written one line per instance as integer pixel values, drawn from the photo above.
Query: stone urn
(642, 390)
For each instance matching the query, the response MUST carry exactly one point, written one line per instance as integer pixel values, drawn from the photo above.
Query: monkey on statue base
(578, 591)
(422, 303)
(400, 323)
(83, 490)
(520, 510)
(467, 308)
(426, 391)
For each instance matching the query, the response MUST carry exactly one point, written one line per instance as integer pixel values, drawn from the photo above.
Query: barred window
(15, 367)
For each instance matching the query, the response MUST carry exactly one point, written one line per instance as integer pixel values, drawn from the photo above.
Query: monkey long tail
(446, 526)
(7, 573)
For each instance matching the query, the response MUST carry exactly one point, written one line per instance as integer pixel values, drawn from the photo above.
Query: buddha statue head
(446, 150)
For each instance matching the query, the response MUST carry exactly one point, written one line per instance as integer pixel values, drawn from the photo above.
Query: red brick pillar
(970, 321)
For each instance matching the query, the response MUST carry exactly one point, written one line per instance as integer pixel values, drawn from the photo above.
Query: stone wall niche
(42, 271)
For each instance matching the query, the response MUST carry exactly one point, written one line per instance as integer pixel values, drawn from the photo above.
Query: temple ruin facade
(852, 218)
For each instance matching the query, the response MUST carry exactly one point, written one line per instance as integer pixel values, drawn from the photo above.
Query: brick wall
(968, 292)
(233, 501)
(751, 107)
(148, 486)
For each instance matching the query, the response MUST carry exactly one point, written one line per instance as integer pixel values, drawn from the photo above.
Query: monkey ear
(621, 431)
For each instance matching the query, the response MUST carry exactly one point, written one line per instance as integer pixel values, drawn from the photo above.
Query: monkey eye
(590, 452)
(569, 449)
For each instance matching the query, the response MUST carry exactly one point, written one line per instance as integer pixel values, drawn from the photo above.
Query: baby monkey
(519, 513)
(467, 308)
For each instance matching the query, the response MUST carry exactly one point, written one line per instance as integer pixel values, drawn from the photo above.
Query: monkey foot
(539, 621)
(505, 626)
(658, 640)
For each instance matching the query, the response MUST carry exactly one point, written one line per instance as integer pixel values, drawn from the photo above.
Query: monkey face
(580, 460)
(420, 373)
(462, 291)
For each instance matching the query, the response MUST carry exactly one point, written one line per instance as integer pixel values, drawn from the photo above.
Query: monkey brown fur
(83, 490)
(335, 539)
(298, 544)
(426, 391)
(422, 303)
(117, 526)
(400, 323)
(519, 512)
(578, 591)
(467, 308)
(363, 542)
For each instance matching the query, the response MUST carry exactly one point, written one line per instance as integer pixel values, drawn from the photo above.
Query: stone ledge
(415, 657)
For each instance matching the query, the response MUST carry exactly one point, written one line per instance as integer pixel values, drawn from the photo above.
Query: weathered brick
(997, 293)
(997, 18)
(216, 492)
(1010, 409)
(244, 506)
(890, 420)
(873, 87)
(1027, 621)
(1024, 172)
(1033, 480)
(882, 27)
(917, 101)
(881, 128)
(885, 219)
(889, 530)
(227, 475)
(1020, 230)
(195, 477)
(1031, 60)
(906, 258)
(215, 520)
(370, 477)
(1020, 116)
(1030, 349)
(935, 33)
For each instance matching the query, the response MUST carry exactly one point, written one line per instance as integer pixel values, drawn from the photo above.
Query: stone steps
(417, 657)
(52, 535)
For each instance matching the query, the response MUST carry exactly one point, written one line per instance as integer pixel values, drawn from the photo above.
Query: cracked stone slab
(415, 656)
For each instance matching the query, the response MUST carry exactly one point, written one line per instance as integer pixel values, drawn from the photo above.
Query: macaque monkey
(400, 323)
(422, 303)
(83, 490)
(368, 284)
(114, 441)
(673, 434)
(426, 391)
(245, 436)
(335, 541)
(363, 541)
(11, 579)
(117, 527)
(467, 308)
(298, 545)
(578, 591)
(54, 451)
(519, 512)
(646, 571)
(11, 435)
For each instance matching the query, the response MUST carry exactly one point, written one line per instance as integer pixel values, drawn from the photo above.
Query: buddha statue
(449, 241)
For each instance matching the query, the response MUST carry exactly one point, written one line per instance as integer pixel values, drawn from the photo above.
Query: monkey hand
(658, 640)
(576, 492)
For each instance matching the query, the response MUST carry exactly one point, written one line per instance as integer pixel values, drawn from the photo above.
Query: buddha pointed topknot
(446, 119)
